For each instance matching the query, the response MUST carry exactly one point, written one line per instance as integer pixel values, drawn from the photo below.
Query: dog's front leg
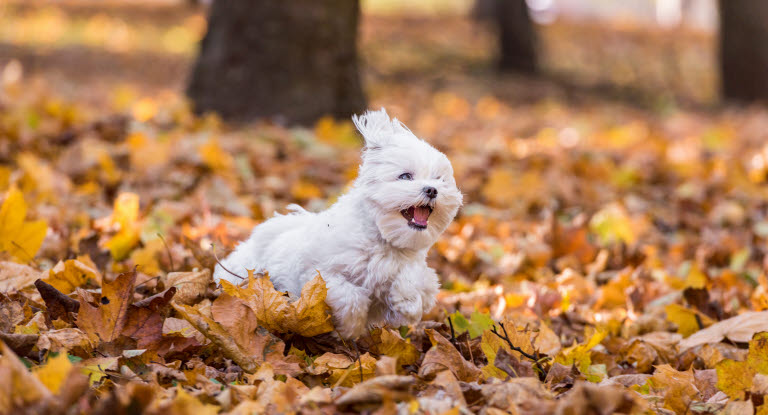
(412, 294)
(350, 304)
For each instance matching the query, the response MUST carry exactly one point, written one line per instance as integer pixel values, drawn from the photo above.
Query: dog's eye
(405, 176)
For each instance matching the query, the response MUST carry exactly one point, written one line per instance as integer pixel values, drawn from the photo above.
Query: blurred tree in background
(293, 61)
(744, 49)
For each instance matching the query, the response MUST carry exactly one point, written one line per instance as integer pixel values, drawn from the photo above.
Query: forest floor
(611, 252)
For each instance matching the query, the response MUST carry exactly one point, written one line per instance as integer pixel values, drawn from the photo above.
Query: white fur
(373, 262)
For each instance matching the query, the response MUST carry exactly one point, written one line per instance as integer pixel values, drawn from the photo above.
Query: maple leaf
(144, 322)
(106, 321)
(309, 316)
(735, 378)
(18, 237)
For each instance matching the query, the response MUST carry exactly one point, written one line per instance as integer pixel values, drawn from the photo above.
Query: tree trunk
(517, 39)
(293, 61)
(744, 49)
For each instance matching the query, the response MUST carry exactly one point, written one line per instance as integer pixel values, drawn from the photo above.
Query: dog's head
(409, 183)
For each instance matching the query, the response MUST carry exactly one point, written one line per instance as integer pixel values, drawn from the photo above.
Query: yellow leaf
(184, 404)
(612, 224)
(54, 373)
(215, 157)
(305, 190)
(696, 278)
(579, 354)
(309, 316)
(70, 274)
(126, 216)
(351, 376)
(146, 257)
(613, 294)
(734, 378)
(391, 344)
(19, 238)
(686, 319)
(330, 131)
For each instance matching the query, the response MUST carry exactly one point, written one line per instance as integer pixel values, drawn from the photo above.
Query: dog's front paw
(405, 310)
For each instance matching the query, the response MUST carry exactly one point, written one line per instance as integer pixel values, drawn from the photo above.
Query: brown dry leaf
(377, 389)
(14, 277)
(57, 304)
(144, 322)
(238, 320)
(70, 274)
(309, 316)
(740, 329)
(519, 395)
(64, 340)
(443, 355)
(11, 313)
(218, 335)
(106, 321)
(191, 286)
(586, 397)
(329, 362)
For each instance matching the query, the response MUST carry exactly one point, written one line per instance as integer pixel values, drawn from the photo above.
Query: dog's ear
(378, 130)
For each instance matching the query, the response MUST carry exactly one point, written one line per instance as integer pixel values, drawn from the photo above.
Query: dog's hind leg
(350, 304)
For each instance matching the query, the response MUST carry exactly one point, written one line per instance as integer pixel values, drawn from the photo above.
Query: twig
(359, 361)
(147, 281)
(167, 251)
(506, 338)
(213, 247)
(453, 334)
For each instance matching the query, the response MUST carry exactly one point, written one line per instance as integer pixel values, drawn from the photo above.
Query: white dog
(371, 245)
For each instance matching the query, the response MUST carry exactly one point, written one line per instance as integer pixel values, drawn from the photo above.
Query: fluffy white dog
(371, 245)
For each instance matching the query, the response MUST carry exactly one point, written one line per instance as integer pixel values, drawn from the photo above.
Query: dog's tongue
(420, 215)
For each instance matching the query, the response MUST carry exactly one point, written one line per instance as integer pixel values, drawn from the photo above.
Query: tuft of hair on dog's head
(378, 130)
(408, 183)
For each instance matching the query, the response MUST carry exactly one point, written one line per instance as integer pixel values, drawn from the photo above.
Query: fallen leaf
(70, 274)
(105, 322)
(687, 320)
(740, 329)
(309, 316)
(54, 372)
(58, 305)
(391, 344)
(20, 238)
(191, 286)
(443, 355)
(14, 277)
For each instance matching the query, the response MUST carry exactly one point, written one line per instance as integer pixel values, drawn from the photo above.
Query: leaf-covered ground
(608, 258)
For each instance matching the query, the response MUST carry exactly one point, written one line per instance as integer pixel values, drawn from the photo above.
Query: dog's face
(409, 183)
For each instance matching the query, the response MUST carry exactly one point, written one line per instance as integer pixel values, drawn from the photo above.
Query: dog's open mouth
(417, 216)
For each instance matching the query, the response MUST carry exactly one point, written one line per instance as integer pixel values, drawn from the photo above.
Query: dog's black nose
(430, 191)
